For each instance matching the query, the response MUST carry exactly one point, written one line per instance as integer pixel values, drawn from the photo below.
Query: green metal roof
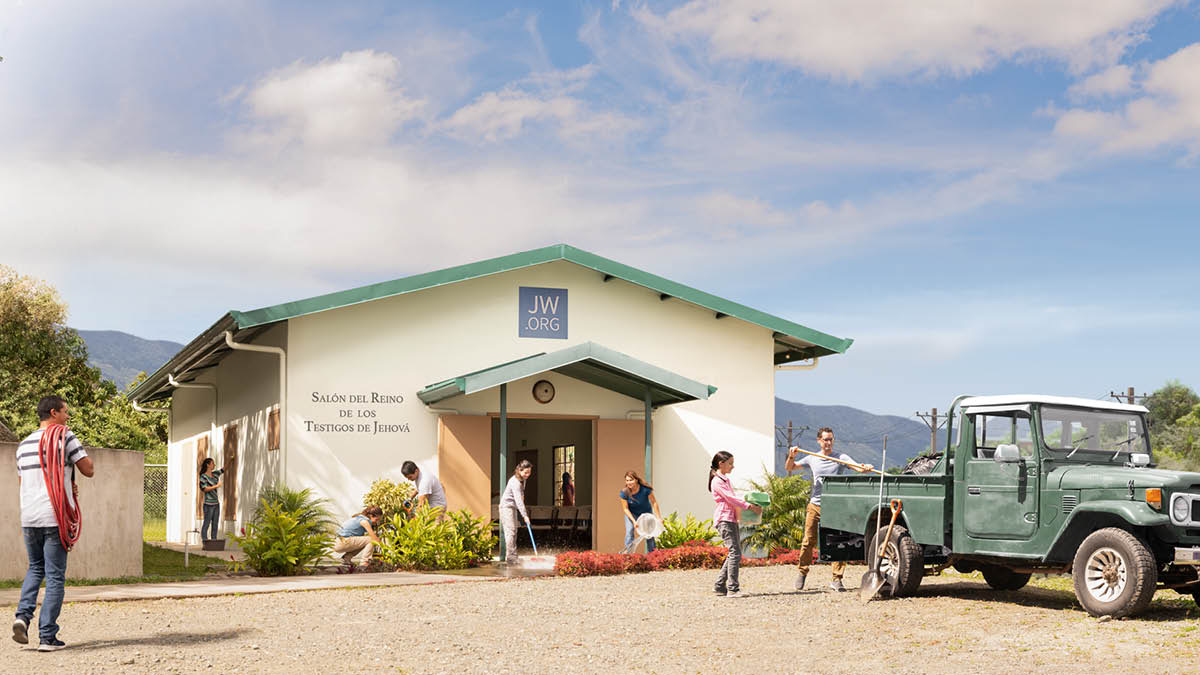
(793, 342)
(807, 343)
(589, 362)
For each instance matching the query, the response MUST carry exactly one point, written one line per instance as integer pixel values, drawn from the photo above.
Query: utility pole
(1129, 395)
(788, 436)
(933, 424)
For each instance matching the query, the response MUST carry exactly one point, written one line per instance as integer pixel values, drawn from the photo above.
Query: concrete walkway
(211, 587)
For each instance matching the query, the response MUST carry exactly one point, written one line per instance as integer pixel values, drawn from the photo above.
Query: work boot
(837, 586)
(800, 579)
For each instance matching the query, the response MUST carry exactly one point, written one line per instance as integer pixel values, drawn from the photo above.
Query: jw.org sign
(542, 313)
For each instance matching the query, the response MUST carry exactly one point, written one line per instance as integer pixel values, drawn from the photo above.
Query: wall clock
(543, 391)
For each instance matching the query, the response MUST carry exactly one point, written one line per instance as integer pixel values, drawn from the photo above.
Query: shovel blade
(871, 583)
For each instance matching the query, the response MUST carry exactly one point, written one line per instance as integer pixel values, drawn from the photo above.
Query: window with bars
(564, 463)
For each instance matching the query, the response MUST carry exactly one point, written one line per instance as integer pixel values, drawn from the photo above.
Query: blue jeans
(631, 536)
(47, 560)
(211, 513)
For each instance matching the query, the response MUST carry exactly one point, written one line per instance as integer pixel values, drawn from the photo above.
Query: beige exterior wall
(247, 391)
(110, 544)
(396, 346)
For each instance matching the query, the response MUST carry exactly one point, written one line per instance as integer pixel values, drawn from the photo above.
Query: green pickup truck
(1031, 484)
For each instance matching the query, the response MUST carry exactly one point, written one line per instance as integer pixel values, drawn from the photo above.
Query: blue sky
(990, 197)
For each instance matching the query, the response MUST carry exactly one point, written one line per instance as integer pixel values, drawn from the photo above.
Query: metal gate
(154, 506)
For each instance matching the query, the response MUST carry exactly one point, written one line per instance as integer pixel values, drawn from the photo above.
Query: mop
(535, 561)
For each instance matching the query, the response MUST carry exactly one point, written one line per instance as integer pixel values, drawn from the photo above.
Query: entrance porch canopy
(589, 362)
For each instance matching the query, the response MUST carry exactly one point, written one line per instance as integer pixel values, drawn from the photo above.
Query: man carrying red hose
(46, 463)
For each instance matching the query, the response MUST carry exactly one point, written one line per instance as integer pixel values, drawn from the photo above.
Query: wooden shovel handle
(852, 465)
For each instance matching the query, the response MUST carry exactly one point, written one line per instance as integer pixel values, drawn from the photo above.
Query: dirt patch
(665, 622)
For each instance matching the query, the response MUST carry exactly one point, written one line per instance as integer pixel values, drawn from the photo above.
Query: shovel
(873, 580)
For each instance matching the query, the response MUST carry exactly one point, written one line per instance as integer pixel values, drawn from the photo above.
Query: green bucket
(758, 499)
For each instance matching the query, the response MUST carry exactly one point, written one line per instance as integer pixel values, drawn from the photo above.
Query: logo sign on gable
(542, 313)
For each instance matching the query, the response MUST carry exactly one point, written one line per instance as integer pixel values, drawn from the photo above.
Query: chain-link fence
(154, 507)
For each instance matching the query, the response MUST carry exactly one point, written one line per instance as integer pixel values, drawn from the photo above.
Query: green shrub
(677, 532)
(424, 541)
(782, 523)
(280, 543)
(476, 535)
(394, 498)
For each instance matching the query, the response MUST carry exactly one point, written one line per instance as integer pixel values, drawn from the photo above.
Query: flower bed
(692, 555)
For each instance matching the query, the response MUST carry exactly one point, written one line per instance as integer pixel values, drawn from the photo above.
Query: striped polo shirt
(36, 510)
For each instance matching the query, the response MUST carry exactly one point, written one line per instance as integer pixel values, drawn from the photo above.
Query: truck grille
(1069, 502)
(1196, 510)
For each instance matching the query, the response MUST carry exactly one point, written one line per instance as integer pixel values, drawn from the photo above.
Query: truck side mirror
(1139, 459)
(1007, 452)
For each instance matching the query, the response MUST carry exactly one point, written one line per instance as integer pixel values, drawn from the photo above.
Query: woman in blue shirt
(637, 498)
(357, 536)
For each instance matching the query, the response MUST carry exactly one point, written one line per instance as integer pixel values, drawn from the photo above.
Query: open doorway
(561, 453)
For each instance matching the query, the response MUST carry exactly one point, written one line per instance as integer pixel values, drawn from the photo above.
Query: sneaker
(734, 594)
(51, 645)
(720, 591)
(20, 631)
(800, 579)
(837, 586)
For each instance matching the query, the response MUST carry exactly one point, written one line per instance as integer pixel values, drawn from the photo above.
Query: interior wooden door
(531, 485)
(229, 478)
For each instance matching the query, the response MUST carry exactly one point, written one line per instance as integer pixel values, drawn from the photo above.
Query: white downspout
(283, 425)
(212, 429)
(799, 366)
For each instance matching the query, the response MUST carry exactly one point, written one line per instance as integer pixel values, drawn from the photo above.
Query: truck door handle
(974, 491)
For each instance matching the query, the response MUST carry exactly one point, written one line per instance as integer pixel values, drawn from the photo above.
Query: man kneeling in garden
(357, 536)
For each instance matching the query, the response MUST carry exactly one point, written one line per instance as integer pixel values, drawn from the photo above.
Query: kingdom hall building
(580, 364)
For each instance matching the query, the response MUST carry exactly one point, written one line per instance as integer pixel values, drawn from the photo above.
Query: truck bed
(848, 504)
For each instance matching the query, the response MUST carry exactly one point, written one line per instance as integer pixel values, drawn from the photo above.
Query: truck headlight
(1180, 509)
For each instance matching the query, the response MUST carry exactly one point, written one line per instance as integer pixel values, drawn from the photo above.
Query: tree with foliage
(1174, 423)
(1169, 403)
(40, 355)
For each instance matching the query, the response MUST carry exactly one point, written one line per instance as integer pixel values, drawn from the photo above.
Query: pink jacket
(722, 492)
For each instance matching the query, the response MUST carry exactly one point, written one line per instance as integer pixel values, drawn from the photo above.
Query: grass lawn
(158, 564)
(154, 529)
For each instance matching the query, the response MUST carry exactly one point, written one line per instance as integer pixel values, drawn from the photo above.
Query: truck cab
(1031, 484)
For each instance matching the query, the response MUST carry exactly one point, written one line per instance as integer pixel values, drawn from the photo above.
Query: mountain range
(121, 356)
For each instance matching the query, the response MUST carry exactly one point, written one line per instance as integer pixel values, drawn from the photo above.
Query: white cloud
(543, 98)
(348, 102)
(1115, 81)
(1165, 114)
(859, 40)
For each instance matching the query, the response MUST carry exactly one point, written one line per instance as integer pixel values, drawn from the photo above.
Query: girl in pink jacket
(726, 518)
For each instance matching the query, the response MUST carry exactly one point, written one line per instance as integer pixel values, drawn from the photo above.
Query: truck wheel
(1004, 579)
(1115, 574)
(903, 563)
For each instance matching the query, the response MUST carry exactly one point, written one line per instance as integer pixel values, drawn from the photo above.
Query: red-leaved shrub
(693, 555)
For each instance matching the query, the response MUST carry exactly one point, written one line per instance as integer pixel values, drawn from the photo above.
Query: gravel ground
(665, 622)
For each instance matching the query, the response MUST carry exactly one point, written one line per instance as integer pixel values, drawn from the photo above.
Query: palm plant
(308, 509)
(783, 519)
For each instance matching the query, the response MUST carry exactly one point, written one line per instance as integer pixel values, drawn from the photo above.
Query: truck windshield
(1092, 435)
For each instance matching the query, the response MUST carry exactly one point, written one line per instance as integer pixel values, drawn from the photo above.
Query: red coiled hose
(52, 455)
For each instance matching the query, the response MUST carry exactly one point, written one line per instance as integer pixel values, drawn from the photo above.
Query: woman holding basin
(636, 499)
